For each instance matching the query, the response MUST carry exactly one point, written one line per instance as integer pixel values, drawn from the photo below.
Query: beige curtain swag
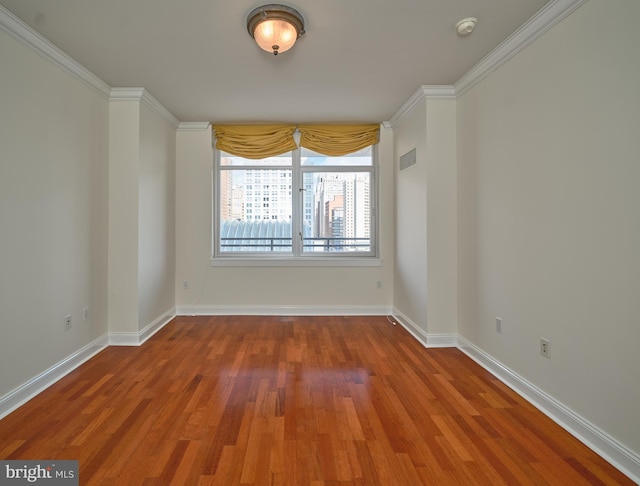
(255, 141)
(261, 141)
(337, 140)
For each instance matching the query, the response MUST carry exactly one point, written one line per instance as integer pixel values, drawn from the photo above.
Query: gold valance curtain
(337, 140)
(255, 141)
(261, 141)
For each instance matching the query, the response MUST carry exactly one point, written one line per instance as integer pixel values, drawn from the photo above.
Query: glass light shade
(275, 35)
(275, 27)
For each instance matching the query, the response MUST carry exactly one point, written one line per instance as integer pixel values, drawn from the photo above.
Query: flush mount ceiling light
(466, 26)
(275, 28)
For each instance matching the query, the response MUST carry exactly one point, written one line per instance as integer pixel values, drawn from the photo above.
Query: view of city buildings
(256, 209)
(340, 208)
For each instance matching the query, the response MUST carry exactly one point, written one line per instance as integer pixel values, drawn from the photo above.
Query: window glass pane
(233, 160)
(255, 213)
(336, 212)
(360, 158)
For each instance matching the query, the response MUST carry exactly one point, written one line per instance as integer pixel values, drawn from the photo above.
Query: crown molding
(543, 20)
(126, 94)
(194, 126)
(425, 92)
(142, 95)
(440, 92)
(16, 28)
(547, 17)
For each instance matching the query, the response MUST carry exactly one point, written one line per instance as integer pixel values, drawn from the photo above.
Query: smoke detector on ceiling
(466, 26)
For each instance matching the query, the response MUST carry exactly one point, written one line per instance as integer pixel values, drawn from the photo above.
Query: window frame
(296, 257)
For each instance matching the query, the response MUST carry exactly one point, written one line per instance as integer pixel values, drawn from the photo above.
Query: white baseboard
(282, 310)
(138, 338)
(25, 392)
(30, 389)
(428, 340)
(611, 450)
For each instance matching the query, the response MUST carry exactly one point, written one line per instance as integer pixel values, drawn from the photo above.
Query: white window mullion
(215, 220)
(297, 199)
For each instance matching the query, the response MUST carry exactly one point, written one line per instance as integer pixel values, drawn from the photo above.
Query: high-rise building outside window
(300, 204)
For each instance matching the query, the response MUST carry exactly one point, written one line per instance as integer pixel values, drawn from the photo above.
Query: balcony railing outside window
(276, 244)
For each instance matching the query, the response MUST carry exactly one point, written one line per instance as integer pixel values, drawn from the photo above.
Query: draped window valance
(337, 140)
(261, 141)
(255, 141)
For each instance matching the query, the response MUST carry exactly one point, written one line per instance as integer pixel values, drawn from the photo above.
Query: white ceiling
(359, 61)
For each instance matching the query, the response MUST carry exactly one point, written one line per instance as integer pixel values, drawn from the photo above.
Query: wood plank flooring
(294, 401)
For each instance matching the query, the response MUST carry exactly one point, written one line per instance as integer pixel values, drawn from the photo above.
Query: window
(309, 205)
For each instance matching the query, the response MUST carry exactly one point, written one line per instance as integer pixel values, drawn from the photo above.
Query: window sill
(295, 262)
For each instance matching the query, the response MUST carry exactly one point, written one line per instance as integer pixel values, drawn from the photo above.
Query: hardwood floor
(294, 401)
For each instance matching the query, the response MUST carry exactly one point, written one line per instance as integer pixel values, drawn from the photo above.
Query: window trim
(371, 258)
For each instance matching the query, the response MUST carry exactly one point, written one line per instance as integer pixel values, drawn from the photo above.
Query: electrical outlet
(498, 325)
(85, 314)
(378, 284)
(185, 285)
(67, 322)
(544, 347)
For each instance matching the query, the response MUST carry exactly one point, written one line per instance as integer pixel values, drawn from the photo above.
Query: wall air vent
(408, 159)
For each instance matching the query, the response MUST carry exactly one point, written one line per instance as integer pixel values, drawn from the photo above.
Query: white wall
(141, 215)
(124, 162)
(53, 213)
(156, 208)
(247, 288)
(442, 229)
(549, 214)
(425, 278)
(410, 271)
